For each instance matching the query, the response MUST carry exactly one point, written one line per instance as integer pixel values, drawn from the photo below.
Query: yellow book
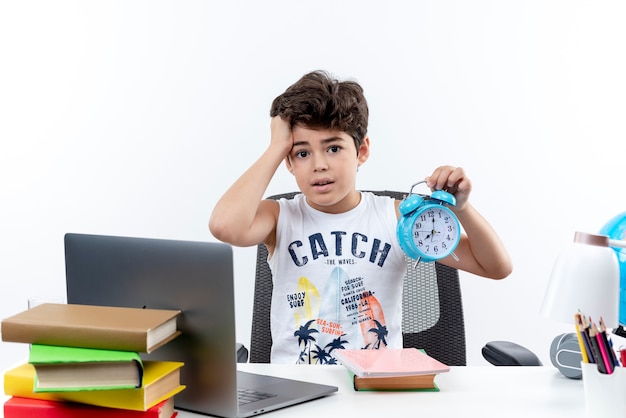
(161, 380)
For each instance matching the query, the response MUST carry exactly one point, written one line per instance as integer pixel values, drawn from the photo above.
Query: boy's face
(325, 164)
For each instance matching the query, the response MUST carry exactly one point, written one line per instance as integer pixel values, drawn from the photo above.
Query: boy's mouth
(322, 183)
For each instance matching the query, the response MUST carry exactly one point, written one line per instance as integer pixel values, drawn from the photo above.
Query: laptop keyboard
(248, 395)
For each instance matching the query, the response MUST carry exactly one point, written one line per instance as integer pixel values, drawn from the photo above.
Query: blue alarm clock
(427, 229)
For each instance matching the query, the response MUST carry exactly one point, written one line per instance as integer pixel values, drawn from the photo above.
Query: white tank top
(337, 280)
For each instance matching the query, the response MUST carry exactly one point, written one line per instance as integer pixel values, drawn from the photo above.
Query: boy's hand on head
(454, 180)
(282, 135)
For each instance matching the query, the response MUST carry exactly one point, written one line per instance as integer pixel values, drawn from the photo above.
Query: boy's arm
(480, 250)
(241, 216)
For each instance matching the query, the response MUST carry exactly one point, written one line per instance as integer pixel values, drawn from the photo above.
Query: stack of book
(84, 361)
(391, 369)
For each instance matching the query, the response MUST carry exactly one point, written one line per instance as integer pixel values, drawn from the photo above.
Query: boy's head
(320, 101)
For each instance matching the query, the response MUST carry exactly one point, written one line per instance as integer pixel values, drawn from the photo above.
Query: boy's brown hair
(320, 101)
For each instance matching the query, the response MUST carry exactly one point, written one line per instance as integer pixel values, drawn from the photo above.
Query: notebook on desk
(197, 278)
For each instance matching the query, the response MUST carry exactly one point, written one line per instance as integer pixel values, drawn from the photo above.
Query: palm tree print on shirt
(326, 316)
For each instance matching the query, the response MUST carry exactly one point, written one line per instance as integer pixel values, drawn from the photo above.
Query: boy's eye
(334, 149)
(301, 154)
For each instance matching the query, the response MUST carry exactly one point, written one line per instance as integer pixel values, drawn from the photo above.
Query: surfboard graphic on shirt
(330, 308)
(310, 305)
(372, 322)
(332, 316)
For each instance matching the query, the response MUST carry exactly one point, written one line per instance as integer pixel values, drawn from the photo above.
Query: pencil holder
(604, 393)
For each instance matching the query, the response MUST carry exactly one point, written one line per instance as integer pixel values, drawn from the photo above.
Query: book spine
(163, 376)
(72, 336)
(27, 408)
(22, 386)
(392, 383)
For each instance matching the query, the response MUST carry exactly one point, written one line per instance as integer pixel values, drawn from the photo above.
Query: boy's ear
(364, 150)
(288, 164)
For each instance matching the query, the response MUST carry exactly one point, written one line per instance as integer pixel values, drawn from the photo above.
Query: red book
(17, 407)
(390, 362)
(391, 369)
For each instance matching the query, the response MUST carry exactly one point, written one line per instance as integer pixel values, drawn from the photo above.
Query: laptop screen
(195, 277)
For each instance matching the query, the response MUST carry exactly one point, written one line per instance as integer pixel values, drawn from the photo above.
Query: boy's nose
(319, 163)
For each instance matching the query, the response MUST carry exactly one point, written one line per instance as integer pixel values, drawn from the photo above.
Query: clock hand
(433, 232)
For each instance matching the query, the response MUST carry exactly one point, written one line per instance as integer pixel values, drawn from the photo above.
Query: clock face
(435, 231)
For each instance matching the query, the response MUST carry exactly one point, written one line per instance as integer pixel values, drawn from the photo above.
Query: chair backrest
(432, 308)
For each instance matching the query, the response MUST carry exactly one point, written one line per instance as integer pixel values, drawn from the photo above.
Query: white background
(133, 117)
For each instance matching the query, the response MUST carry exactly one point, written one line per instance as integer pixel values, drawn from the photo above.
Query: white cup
(604, 393)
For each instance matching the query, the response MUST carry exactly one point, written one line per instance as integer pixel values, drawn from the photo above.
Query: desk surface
(488, 391)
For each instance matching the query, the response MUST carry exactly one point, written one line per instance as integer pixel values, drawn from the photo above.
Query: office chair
(432, 312)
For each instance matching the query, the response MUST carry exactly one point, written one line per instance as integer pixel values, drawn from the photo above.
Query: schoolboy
(336, 265)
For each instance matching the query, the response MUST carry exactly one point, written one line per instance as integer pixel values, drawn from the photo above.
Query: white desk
(488, 391)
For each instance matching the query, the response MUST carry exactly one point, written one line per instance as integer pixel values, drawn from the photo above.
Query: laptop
(197, 278)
